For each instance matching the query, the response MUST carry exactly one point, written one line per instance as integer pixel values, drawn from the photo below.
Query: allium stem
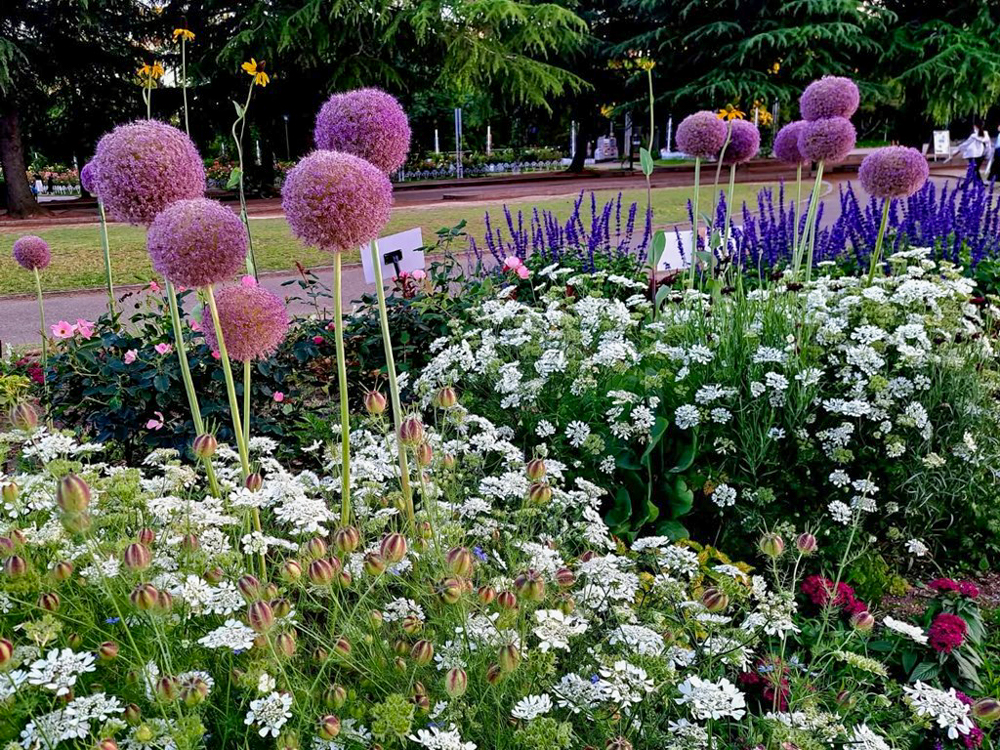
(106, 247)
(45, 338)
(242, 122)
(810, 220)
(729, 210)
(246, 402)
(345, 415)
(695, 219)
(877, 252)
(227, 370)
(795, 208)
(184, 86)
(813, 229)
(192, 395)
(390, 365)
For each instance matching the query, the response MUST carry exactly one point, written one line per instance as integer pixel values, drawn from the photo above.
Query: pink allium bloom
(63, 329)
(744, 142)
(88, 175)
(130, 356)
(143, 167)
(786, 143)
(511, 262)
(947, 632)
(278, 396)
(368, 123)
(85, 328)
(701, 134)
(893, 172)
(522, 272)
(336, 201)
(248, 281)
(253, 321)
(163, 348)
(830, 96)
(32, 252)
(155, 424)
(197, 242)
(829, 140)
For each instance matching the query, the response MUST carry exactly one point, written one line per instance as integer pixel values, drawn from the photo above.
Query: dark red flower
(943, 585)
(969, 589)
(947, 632)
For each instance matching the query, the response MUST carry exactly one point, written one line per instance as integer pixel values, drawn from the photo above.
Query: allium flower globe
(830, 96)
(143, 167)
(88, 176)
(197, 242)
(786, 143)
(32, 252)
(368, 123)
(893, 172)
(335, 200)
(701, 134)
(829, 140)
(744, 142)
(253, 321)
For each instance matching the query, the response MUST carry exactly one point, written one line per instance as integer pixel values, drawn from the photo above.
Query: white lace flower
(711, 700)
(532, 706)
(59, 669)
(233, 635)
(269, 713)
(910, 631)
(943, 707)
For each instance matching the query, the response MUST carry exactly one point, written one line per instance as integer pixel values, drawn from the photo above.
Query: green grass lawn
(77, 261)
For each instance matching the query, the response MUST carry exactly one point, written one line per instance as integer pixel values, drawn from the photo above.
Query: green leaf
(672, 529)
(161, 382)
(646, 161)
(621, 509)
(659, 246)
(239, 109)
(683, 499)
(925, 671)
(909, 660)
(234, 178)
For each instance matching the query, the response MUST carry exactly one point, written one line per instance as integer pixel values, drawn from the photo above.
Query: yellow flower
(731, 113)
(775, 68)
(257, 71)
(607, 110)
(157, 70)
(144, 71)
(645, 63)
(183, 34)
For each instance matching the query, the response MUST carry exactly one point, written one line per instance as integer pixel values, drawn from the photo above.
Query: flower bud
(422, 652)
(450, 590)
(539, 494)
(618, 743)
(62, 571)
(254, 482)
(249, 586)
(412, 625)
(74, 640)
(190, 543)
(143, 596)
(137, 557)
(509, 658)
(335, 696)
(456, 682)
(133, 715)
(291, 571)
(17, 536)
(772, 545)
(862, 621)
(986, 710)
(9, 493)
(530, 585)
(459, 561)
(204, 446)
(315, 548)
(106, 744)
(374, 564)
(507, 600)
(374, 403)
(411, 432)
(493, 674)
(715, 600)
(421, 701)
(6, 547)
(342, 647)
(166, 689)
(146, 536)
(49, 601)
(425, 454)
(535, 469)
(214, 575)
(285, 643)
(445, 398)
(448, 461)
(321, 572)
(393, 547)
(845, 699)
(269, 591)
(329, 727)
(72, 494)
(6, 652)
(281, 607)
(24, 416)
(260, 617)
(400, 647)
(806, 543)
(107, 651)
(565, 578)
(15, 566)
(486, 594)
(164, 601)
(194, 691)
(346, 539)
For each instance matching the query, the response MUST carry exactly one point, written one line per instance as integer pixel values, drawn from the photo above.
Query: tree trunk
(579, 158)
(20, 201)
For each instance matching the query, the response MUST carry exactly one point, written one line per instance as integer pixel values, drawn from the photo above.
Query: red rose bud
(715, 600)
(565, 578)
(346, 539)
(315, 548)
(260, 617)
(393, 547)
(77, 522)
(772, 545)
(806, 543)
(164, 601)
(487, 594)
(493, 674)
(535, 469)
(987, 710)
(6, 652)
(193, 692)
(106, 744)
(329, 727)
(137, 557)
(445, 398)
(507, 600)
(335, 696)
(456, 682)
(285, 644)
(422, 652)
(539, 494)
(214, 575)
(10, 492)
(15, 566)
(204, 446)
(862, 621)
(412, 625)
(411, 432)
(530, 585)
(49, 601)
(509, 658)
(72, 494)
(24, 417)
(342, 647)
(133, 715)
(281, 607)
(143, 596)
(249, 586)
(107, 651)
(374, 564)
(321, 572)
(448, 461)
(62, 571)
(459, 561)
(291, 571)
(254, 482)
(374, 403)
(425, 454)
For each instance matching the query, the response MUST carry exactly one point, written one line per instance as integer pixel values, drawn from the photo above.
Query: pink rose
(85, 328)
(317, 340)
(155, 424)
(522, 272)
(63, 329)
(153, 286)
(130, 356)
(511, 262)
(195, 325)
(420, 274)
(163, 348)
(278, 396)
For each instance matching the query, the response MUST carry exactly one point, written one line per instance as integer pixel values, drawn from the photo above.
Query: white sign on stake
(942, 143)
(398, 252)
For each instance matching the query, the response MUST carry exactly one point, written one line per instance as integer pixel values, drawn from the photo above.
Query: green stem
(696, 220)
(45, 338)
(810, 235)
(106, 247)
(192, 395)
(795, 208)
(184, 88)
(345, 417)
(246, 402)
(397, 409)
(242, 122)
(227, 370)
(729, 210)
(877, 252)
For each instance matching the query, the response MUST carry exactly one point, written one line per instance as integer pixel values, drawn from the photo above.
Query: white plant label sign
(404, 246)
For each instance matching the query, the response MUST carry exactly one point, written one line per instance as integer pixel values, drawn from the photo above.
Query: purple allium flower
(786, 143)
(197, 242)
(368, 123)
(744, 142)
(893, 172)
(830, 96)
(88, 176)
(253, 321)
(335, 200)
(701, 134)
(144, 166)
(32, 252)
(830, 139)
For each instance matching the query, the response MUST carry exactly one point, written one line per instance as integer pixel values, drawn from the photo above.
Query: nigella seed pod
(320, 655)
(190, 543)
(567, 604)
(539, 494)
(137, 557)
(493, 674)
(335, 696)
(530, 585)
(486, 594)
(143, 596)
(329, 727)
(164, 601)
(411, 432)
(425, 530)
(421, 701)
(15, 566)
(535, 469)
(6, 547)
(254, 482)
(281, 607)
(456, 682)
(772, 545)
(987, 710)
(74, 640)
(166, 689)
(376, 619)
(346, 539)
(400, 647)
(565, 578)
(194, 691)
(204, 446)
(49, 601)
(17, 536)
(260, 617)
(459, 561)
(715, 600)
(214, 575)
(422, 652)
(509, 658)
(345, 579)
(106, 744)
(285, 643)
(445, 398)
(315, 548)
(845, 699)
(6, 652)
(72, 494)
(862, 621)
(133, 715)
(425, 454)
(448, 461)
(399, 664)
(342, 647)
(9, 492)
(393, 547)
(412, 625)
(806, 543)
(249, 586)
(374, 403)
(146, 536)
(321, 572)
(269, 591)
(450, 590)
(62, 571)
(144, 733)
(374, 564)
(24, 417)
(507, 600)
(107, 651)
(291, 571)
